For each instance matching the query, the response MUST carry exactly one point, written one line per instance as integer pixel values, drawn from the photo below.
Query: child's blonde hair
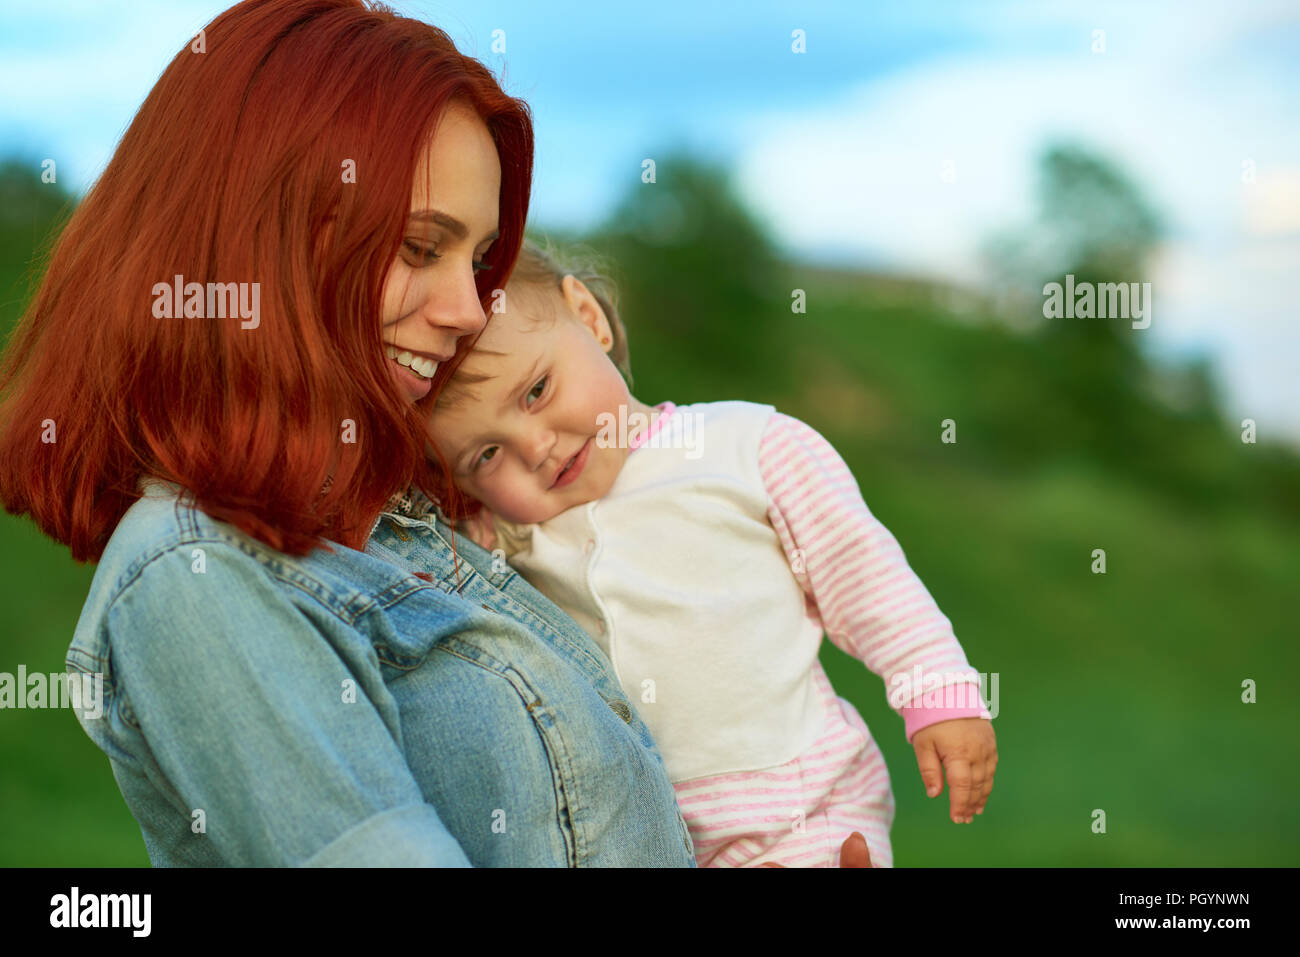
(536, 279)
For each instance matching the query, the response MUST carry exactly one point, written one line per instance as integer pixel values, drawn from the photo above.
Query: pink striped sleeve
(870, 602)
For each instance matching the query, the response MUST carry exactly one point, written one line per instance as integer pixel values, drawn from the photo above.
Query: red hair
(232, 171)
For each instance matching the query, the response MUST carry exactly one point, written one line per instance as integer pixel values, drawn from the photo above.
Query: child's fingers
(960, 789)
(978, 776)
(990, 766)
(931, 768)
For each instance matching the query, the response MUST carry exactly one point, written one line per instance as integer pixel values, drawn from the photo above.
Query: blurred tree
(701, 287)
(1090, 219)
(1102, 222)
(1092, 223)
(31, 213)
(24, 199)
(1105, 233)
(1100, 399)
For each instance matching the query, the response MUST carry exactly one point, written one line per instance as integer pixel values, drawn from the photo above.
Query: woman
(217, 394)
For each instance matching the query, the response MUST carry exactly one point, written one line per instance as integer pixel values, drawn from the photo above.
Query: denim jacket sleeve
(219, 704)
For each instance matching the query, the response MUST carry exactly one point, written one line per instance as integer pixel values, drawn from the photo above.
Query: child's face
(508, 443)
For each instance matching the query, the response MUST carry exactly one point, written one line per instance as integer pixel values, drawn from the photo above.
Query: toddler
(706, 548)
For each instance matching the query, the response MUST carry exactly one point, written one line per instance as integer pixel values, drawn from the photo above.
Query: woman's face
(430, 299)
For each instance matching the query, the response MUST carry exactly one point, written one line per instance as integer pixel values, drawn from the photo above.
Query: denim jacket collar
(412, 503)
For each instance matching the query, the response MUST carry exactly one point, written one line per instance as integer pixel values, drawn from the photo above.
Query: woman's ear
(587, 309)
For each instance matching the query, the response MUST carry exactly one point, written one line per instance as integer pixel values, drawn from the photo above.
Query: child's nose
(538, 450)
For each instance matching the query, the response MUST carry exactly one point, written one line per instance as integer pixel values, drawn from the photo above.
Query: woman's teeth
(417, 364)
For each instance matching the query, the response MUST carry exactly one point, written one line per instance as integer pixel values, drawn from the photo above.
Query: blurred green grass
(59, 803)
(1119, 692)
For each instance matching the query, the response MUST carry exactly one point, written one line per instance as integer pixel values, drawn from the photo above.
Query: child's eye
(485, 457)
(540, 383)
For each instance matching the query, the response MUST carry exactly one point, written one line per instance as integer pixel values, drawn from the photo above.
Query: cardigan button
(590, 545)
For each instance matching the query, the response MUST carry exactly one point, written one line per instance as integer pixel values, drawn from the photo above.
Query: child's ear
(588, 310)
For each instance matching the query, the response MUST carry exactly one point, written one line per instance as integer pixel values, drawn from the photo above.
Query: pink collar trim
(665, 409)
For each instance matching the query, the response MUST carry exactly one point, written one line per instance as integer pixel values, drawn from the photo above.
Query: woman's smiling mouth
(413, 371)
(421, 365)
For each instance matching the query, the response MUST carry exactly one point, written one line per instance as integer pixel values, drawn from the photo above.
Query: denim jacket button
(621, 709)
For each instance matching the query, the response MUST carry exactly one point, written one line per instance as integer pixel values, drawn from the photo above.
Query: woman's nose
(458, 308)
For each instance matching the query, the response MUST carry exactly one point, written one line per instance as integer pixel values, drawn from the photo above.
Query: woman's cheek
(396, 285)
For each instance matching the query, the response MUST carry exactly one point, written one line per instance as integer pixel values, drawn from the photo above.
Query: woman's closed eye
(423, 255)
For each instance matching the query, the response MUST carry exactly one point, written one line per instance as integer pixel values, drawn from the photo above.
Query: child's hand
(967, 749)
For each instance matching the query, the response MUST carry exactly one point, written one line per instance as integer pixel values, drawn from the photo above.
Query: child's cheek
(507, 496)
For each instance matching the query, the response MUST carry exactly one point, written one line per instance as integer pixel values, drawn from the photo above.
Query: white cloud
(74, 74)
(1272, 207)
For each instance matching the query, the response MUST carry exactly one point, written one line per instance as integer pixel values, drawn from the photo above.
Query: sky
(900, 140)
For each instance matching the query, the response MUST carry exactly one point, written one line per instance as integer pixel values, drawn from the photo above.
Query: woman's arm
(256, 720)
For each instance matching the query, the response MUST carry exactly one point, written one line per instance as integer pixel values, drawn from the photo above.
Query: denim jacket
(261, 709)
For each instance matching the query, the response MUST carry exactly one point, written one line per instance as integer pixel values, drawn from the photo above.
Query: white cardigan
(680, 578)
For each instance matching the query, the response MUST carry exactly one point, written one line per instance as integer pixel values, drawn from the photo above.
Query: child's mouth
(571, 471)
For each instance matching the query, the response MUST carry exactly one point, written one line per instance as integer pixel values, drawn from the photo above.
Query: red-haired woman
(217, 394)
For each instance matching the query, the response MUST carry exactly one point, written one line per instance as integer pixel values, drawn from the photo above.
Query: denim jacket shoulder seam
(190, 531)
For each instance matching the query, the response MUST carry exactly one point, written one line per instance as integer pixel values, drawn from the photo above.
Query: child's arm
(873, 606)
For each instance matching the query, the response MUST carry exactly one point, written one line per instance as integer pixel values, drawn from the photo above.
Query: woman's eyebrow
(450, 223)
